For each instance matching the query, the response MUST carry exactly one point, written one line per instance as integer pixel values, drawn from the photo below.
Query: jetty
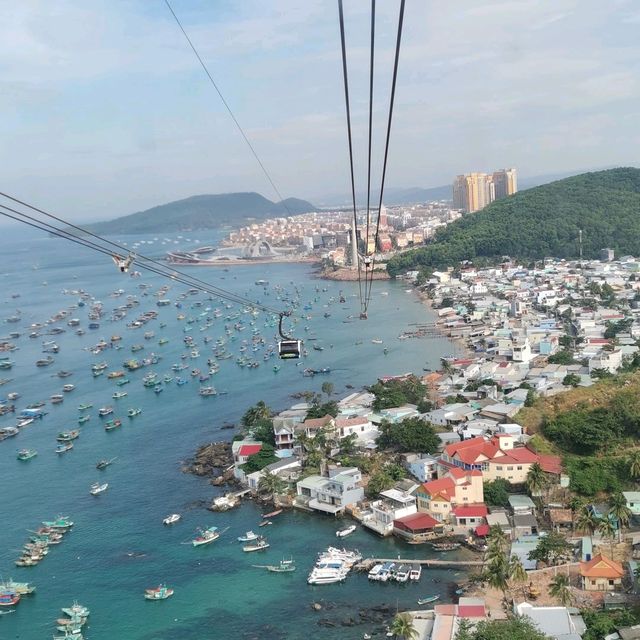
(367, 563)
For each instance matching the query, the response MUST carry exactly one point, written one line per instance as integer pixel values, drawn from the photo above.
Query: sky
(104, 109)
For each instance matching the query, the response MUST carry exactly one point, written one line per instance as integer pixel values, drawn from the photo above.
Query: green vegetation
(202, 212)
(602, 623)
(496, 492)
(552, 549)
(411, 435)
(515, 628)
(395, 393)
(260, 460)
(540, 222)
(322, 409)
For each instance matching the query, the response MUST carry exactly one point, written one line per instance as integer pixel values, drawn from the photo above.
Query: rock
(317, 606)
(210, 460)
(348, 622)
(326, 623)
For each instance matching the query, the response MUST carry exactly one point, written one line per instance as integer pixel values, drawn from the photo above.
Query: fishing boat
(97, 488)
(416, 572)
(44, 362)
(134, 412)
(285, 566)
(110, 425)
(272, 514)
(27, 454)
(428, 599)
(342, 533)
(24, 422)
(248, 537)
(76, 611)
(83, 419)
(208, 391)
(115, 374)
(258, 544)
(445, 546)
(61, 522)
(206, 537)
(161, 592)
(174, 517)
(21, 588)
(8, 432)
(265, 523)
(119, 394)
(64, 447)
(84, 407)
(103, 464)
(68, 388)
(105, 411)
(9, 599)
(123, 381)
(56, 398)
(68, 436)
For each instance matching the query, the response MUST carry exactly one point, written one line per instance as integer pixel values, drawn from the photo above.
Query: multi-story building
(505, 182)
(331, 494)
(474, 191)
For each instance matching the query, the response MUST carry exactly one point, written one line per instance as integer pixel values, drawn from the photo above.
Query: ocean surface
(119, 546)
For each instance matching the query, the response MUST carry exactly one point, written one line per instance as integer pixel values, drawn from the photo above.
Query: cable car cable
(226, 104)
(371, 67)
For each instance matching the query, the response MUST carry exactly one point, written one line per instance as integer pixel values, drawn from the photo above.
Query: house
(499, 518)
(470, 516)
(601, 574)
(418, 527)
(633, 501)
(447, 617)
(393, 504)
(359, 426)
(559, 623)
(311, 426)
(524, 524)
(284, 425)
(288, 469)
(421, 466)
(331, 494)
(521, 505)
(456, 487)
(610, 361)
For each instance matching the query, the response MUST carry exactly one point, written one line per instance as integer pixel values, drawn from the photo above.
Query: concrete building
(601, 574)
(331, 494)
(558, 623)
(505, 183)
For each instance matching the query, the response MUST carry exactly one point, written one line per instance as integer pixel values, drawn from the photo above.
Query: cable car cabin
(289, 349)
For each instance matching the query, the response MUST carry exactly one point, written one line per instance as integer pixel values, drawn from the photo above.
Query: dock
(367, 563)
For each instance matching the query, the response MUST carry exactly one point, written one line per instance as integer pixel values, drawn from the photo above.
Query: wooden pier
(367, 563)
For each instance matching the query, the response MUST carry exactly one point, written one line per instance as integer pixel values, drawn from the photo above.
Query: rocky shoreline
(213, 460)
(350, 275)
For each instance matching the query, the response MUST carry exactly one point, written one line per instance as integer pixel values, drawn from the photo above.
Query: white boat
(97, 488)
(206, 537)
(258, 544)
(174, 517)
(402, 573)
(327, 574)
(416, 572)
(374, 574)
(248, 537)
(343, 533)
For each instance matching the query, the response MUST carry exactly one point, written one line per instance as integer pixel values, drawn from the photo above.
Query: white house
(331, 494)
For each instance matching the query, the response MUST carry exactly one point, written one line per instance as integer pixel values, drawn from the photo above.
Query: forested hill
(542, 222)
(202, 212)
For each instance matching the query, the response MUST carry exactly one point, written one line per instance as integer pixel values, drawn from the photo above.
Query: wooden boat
(265, 523)
(445, 546)
(206, 537)
(64, 447)
(83, 419)
(123, 381)
(258, 545)
(248, 537)
(110, 425)
(285, 566)
(161, 592)
(68, 436)
(103, 464)
(342, 533)
(84, 407)
(97, 488)
(272, 514)
(27, 454)
(428, 599)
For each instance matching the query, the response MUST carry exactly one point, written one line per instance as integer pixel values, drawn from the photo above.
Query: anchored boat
(161, 592)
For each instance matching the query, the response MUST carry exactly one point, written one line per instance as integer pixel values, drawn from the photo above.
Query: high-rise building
(506, 182)
(474, 191)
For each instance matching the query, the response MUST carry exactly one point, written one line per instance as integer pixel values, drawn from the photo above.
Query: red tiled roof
(416, 521)
(249, 449)
(471, 611)
(443, 486)
(601, 567)
(482, 530)
(316, 423)
(551, 464)
(470, 511)
(350, 422)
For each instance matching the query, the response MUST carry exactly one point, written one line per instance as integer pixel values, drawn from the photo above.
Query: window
(519, 468)
(593, 582)
(611, 583)
(509, 468)
(498, 468)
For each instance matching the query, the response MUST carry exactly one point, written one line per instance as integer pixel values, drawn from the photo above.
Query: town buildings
(474, 191)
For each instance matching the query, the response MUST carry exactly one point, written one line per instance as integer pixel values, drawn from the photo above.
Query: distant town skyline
(474, 191)
(105, 110)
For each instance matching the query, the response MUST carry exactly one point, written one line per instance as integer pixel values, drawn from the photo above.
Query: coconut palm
(536, 480)
(587, 521)
(496, 573)
(496, 542)
(402, 627)
(607, 530)
(259, 411)
(517, 572)
(271, 484)
(634, 464)
(560, 589)
(620, 511)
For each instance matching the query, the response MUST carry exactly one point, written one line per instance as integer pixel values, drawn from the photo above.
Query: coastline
(350, 275)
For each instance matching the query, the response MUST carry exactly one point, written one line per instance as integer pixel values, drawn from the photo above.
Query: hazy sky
(104, 110)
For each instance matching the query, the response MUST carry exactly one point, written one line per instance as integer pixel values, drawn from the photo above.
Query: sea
(118, 546)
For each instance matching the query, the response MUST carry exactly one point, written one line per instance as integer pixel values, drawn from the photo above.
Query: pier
(367, 563)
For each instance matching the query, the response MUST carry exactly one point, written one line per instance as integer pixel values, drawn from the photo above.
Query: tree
(403, 627)
(320, 410)
(634, 464)
(530, 399)
(348, 444)
(260, 460)
(560, 588)
(379, 481)
(515, 628)
(517, 572)
(564, 356)
(607, 530)
(327, 388)
(496, 492)
(587, 521)
(410, 435)
(551, 549)
(571, 380)
(620, 511)
(271, 484)
(536, 480)
(260, 411)
(262, 430)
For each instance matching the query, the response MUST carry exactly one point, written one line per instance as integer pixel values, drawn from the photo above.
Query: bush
(496, 492)
(411, 435)
(591, 476)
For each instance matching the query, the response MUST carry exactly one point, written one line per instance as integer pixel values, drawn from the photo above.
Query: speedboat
(174, 517)
(342, 533)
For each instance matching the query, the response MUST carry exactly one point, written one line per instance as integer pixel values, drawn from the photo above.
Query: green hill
(542, 222)
(202, 212)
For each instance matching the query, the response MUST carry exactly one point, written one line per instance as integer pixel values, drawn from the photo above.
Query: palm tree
(497, 573)
(497, 542)
(560, 589)
(536, 480)
(271, 484)
(634, 464)
(402, 627)
(620, 511)
(607, 530)
(587, 521)
(258, 412)
(517, 572)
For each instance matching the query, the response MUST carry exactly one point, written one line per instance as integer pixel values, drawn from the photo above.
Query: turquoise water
(119, 546)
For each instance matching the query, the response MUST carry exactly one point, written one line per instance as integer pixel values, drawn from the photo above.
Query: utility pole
(354, 245)
(580, 241)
